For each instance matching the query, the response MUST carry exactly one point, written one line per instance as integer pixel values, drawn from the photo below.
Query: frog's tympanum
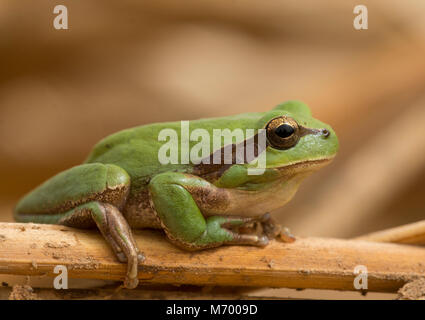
(123, 184)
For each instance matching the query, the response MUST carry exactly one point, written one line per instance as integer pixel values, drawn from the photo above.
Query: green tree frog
(123, 184)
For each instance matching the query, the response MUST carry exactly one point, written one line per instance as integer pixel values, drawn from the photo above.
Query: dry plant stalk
(33, 249)
(413, 233)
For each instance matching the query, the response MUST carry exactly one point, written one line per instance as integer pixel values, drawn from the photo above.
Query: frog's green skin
(122, 185)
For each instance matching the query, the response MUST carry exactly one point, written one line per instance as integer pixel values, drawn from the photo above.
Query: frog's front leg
(86, 196)
(182, 219)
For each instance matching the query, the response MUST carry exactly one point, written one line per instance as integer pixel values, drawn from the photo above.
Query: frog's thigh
(71, 188)
(182, 219)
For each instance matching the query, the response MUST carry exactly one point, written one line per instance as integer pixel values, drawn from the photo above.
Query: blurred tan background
(126, 63)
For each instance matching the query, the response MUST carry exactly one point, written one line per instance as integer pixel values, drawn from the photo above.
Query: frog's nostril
(325, 133)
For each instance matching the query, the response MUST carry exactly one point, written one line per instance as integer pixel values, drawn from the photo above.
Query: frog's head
(296, 139)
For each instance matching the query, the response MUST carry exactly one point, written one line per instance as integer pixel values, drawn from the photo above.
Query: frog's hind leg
(183, 221)
(87, 196)
(114, 229)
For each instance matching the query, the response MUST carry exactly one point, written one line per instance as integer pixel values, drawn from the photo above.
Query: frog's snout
(325, 133)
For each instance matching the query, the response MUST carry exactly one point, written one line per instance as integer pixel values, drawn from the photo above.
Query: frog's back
(136, 149)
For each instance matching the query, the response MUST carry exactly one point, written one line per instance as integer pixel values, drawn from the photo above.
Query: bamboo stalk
(32, 249)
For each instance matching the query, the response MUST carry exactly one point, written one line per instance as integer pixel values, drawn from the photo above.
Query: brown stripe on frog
(239, 153)
(212, 171)
(305, 131)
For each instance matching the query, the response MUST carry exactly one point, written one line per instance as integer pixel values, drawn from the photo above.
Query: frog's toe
(131, 283)
(265, 218)
(121, 257)
(287, 236)
(263, 241)
(271, 230)
(141, 257)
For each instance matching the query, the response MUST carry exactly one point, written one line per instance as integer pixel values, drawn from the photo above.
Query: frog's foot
(116, 232)
(273, 230)
(231, 223)
(236, 222)
(249, 239)
(258, 225)
(122, 257)
(270, 227)
(220, 231)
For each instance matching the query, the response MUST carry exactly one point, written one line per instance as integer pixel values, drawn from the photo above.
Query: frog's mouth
(306, 166)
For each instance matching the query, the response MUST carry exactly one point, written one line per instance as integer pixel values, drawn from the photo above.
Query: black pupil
(284, 130)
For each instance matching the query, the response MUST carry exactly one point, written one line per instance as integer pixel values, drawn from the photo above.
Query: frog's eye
(282, 132)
